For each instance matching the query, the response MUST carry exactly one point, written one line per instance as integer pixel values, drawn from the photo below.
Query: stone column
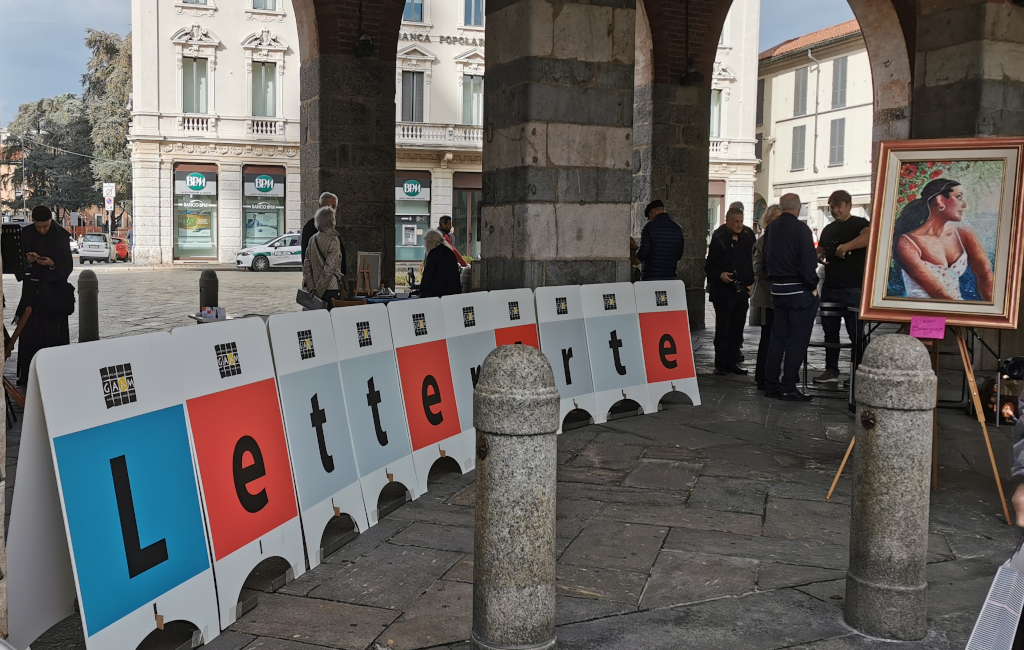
(348, 147)
(558, 150)
(886, 585)
(515, 407)
(230, 220)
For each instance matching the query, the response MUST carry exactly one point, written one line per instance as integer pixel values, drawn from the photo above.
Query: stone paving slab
(680, 578)
(444, 614)
(616, 545)
(730, 495)
(601, 583)
(318, 622)
(681, 516)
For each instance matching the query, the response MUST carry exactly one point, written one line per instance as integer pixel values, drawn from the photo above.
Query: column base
(885, 611)
(479, 644)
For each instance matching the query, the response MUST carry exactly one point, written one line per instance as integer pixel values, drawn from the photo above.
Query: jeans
(849, 296)
(762, 346)
(791, 332)
(730, 318)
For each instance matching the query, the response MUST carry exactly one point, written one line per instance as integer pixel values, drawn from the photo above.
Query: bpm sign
(264, 183)
(195, 181)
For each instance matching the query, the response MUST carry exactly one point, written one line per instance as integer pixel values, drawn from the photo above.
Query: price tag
(928, 327)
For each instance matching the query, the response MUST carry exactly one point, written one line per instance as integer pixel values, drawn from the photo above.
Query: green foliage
(107, 91)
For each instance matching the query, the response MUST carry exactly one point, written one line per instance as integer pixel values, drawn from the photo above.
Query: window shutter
(800, 93)
(837, 142)
(839, 82)
(799, 137)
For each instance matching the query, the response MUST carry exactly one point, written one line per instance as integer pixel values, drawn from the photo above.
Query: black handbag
(54, 298)
(306, 298)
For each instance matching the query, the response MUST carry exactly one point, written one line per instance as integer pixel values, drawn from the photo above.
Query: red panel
(654, 326)
(525, 334)
(218, 422)
(415, 363)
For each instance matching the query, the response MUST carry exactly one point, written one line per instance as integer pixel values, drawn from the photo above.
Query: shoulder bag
(305, 297)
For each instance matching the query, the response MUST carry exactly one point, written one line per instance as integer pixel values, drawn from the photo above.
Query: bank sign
(261, 185)
(410, 189)
(204, 183)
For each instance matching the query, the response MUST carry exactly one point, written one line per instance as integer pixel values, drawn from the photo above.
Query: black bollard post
(209, 288)
(88, 307)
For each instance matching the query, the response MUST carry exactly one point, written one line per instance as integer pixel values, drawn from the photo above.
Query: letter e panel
(128, 491)
(665, 331)
(427, 387)
(316, 423)
(373, 401)
(469, 325)
(514, 317)
(616, 355)
(563, 339)
(245, 475)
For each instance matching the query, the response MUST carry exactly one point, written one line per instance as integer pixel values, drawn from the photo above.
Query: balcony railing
(265, 127)
(456, 136)
(719, 146)
(197, 124)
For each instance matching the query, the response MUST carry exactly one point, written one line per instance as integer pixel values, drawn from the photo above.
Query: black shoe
(772, 394)
(795, 396)
(736, 370)
(741, 359)
(722, 371)
(760, 385)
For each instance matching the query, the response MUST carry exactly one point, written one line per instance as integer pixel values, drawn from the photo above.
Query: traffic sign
(108, 203)
(109, 190)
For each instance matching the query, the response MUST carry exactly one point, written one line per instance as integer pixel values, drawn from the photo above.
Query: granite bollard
(515, 411)
(88, 306)
(209, 289)
(886, 585)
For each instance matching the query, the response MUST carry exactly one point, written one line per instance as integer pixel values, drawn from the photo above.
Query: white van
(96, 247)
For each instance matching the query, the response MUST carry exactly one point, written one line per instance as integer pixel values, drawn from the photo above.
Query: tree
(107, 91)
(56, 138)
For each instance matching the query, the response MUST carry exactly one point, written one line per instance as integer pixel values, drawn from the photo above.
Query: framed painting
(946, 233)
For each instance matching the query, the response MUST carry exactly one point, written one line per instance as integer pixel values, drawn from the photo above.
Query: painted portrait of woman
(936, 254)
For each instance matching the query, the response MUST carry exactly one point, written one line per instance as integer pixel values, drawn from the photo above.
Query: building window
(837, 142)
(195, 212)
(799, 143)
(800, 93)
(413, 11)
(716, 113)
(474, 13)
(759, 109)
(758, 150)
(472, 99)
(269, 5)
(264, 89)
(193, 2)
(194, 80)
(263, 197)
(839, 82)
(412, 96)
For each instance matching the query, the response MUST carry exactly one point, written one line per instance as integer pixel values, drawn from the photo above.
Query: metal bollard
(886, 585)
(209, 288)
(88, 306)
(515, 411)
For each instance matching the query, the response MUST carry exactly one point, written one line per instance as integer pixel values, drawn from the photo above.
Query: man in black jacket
(730, 272)
(792, 263)
(661, 244)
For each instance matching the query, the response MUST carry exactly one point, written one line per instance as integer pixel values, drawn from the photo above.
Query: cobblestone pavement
(694, 527)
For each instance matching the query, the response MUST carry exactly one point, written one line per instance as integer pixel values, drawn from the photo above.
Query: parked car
(122, 252)
(74, 245)
(281, 253)
(97, 247)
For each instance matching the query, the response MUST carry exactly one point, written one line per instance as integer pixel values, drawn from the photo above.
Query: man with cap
(48, 264)
(661, 244)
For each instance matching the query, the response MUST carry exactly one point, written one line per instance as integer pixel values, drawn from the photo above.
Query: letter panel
(427, 387)
(238, 434)
(316, 424)
(373, 399)
(616, 355)
(563, 339)
(665, 330)
(515, 319)
(128, 493)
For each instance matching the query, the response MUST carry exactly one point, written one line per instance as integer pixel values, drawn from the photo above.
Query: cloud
(43, 50)
(782, 20)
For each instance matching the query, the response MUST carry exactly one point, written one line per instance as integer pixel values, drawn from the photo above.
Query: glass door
(466, 222)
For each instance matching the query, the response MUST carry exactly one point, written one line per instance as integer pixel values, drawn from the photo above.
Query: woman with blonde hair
(761, 312)
(321, 270)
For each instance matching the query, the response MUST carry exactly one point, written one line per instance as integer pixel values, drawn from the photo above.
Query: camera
(737, 286)
(830, 249)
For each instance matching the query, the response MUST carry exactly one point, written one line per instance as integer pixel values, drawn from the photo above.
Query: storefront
(263, 203)
(412, 217)
(195, 212)
(466, 221)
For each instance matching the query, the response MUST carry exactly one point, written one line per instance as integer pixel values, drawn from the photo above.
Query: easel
(364, 286)
(978, 410)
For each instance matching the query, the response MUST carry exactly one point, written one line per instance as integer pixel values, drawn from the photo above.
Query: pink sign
(928, 327)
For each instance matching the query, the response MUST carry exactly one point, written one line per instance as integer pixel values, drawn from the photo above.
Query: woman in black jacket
(440, 269)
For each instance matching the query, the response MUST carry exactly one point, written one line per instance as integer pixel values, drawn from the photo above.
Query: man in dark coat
(327, 200)
(730, 271)
(440, 269)
(661, 244)
(48, 264)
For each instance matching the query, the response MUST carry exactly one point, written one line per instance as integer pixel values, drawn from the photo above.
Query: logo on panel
(227, 360)
(306, 349)
(118, 385)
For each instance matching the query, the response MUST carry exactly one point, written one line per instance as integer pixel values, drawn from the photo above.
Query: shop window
(472, 99)
(264, 89)
(194, 85)
(412, 96)
(195, 212)
(263, 197)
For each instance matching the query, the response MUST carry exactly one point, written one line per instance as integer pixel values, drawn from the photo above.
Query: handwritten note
(928, 327)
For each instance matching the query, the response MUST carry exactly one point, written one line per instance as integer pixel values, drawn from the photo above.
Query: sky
(42, 51)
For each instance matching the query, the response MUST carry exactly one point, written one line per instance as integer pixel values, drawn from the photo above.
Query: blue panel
(355, 373)
(313, 480)
(557, 339)
(631, 358)
(165, 507)
(467, 354)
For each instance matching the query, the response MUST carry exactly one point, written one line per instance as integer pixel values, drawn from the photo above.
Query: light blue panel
(355, 374)
(557, 336)
(467, 354)
(313, 480)
(165, 506)
(599, 336)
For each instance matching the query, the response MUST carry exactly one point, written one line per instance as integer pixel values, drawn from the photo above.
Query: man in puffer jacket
(661, 244)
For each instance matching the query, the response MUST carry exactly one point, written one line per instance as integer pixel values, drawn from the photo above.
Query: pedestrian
(792, 262)
(661, 244)
(445, 226)
(842, 248)
(730, 271)
(761, 312)
(440, 269)
(321, 270)
(47, 299)
(814, 234)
